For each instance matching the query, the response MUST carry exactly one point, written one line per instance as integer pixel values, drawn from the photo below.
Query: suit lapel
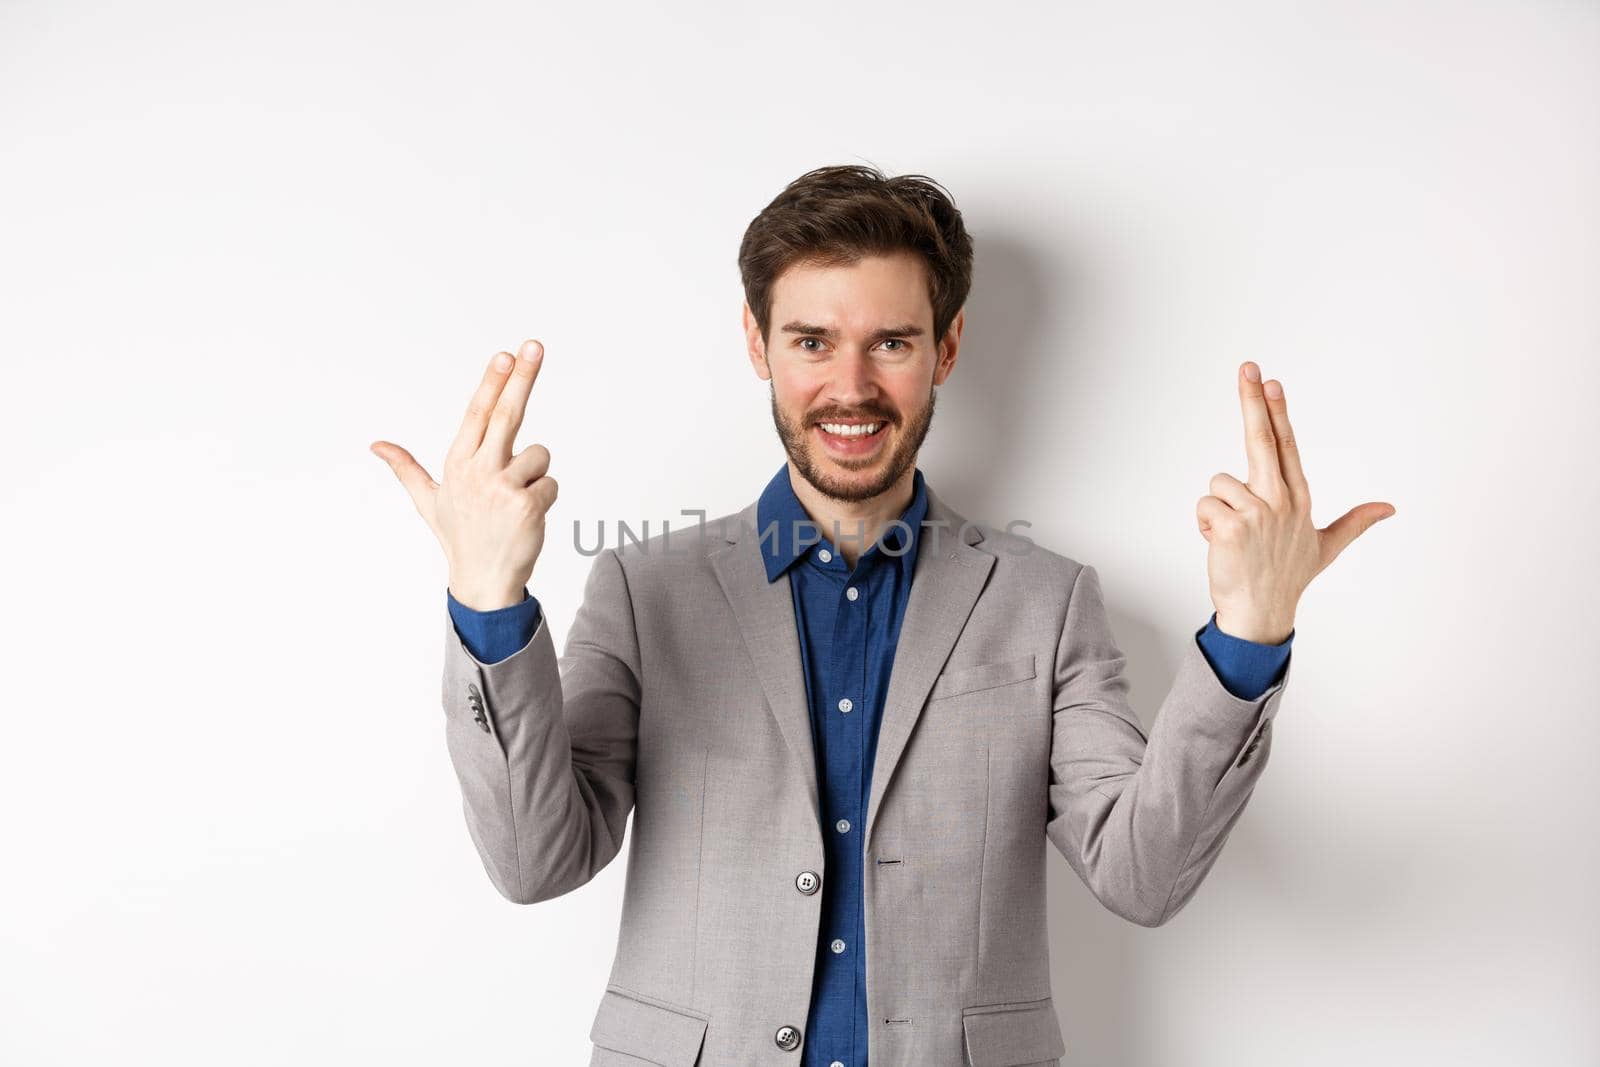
(765, 614)
(948, 576)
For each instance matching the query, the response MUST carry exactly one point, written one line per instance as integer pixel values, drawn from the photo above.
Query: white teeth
(850, 431)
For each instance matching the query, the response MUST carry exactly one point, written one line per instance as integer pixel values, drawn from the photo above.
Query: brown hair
(836, 215)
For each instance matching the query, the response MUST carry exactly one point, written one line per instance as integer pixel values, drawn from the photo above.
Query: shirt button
(835, 1063)
(837, 946)
(851, 593)
(845, 705)
(843, 826)
(825, 556)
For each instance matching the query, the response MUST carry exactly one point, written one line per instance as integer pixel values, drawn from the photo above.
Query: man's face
(853, 347)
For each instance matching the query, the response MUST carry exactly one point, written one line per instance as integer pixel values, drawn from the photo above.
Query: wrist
(486, 598)
(1260, 630)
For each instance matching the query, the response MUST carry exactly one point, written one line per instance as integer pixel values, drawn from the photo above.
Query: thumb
(1337, 535)
(416, 481)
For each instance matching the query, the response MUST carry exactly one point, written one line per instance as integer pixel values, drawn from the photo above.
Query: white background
(240, 242)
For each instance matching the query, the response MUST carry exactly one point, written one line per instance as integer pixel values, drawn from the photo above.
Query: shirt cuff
(492, 636)
(1245, 668)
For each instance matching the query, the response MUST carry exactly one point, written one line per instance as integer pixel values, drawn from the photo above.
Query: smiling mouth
(857, 439)
(852, 430)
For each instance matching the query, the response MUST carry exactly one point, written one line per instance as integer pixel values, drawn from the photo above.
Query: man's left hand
(1264, 548)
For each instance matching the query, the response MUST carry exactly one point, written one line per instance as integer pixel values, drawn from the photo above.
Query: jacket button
(807, 882)
(787, 1038)
(475, 700)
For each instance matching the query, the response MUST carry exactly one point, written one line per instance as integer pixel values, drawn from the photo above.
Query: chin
(848, 471)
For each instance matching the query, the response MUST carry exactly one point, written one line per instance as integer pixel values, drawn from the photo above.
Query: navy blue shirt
(848, 622)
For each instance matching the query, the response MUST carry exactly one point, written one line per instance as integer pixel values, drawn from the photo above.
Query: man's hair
(834, 216)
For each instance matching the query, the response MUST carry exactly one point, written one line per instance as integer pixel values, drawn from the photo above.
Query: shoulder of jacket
(685, 543)
(1026, 558)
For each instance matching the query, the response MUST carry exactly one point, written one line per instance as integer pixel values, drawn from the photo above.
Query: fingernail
(531, 350)
(501, 361)
(1273, 390)
(1252, 372)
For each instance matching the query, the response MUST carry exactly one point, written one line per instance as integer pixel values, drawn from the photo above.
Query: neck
(852, 527)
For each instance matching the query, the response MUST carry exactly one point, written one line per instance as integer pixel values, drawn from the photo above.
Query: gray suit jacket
(680, 698)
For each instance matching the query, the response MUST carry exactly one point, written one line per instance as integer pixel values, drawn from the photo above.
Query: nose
(853, 382)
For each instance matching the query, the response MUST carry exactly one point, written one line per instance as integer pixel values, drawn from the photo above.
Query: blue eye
(894, 341)
(802, 343)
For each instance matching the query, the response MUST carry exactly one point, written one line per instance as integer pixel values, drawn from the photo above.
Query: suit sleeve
(544, 750)
(1142, 819)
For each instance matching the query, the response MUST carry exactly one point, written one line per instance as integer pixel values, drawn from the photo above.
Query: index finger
(1294, 476)
(476, 420)
(1260, 442)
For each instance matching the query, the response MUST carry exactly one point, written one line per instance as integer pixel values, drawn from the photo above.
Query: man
(846, 719)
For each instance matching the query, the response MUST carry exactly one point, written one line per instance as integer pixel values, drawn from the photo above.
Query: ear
(948, 347)
(755, 347)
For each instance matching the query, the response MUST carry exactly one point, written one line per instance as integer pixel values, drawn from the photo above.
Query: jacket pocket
(983, 676)
(654, 1030)
(1004, 1035)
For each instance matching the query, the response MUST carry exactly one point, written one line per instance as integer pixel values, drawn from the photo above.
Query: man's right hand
(489, 511)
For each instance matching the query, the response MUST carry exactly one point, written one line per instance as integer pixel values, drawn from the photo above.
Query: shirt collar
(785, 533)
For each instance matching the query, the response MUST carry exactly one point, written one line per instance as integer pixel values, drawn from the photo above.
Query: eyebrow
(908, 330)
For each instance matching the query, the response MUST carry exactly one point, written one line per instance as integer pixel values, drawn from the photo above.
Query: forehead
(861, 296)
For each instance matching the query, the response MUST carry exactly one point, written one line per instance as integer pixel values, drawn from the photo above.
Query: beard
(797, 442)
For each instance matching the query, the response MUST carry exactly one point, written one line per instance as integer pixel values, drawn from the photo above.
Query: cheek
(798, 388)
(908, 396)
